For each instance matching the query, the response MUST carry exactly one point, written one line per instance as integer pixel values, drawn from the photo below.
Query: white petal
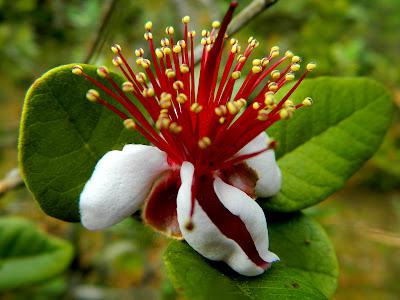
(208, 240)
(119, 184)
(252, 215)
(264, 164)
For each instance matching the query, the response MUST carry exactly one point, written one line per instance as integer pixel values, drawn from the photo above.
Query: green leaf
(308, 268)
(322, 146)
(29, 256)
(63, 135)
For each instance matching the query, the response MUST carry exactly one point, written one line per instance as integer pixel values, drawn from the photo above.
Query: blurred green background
(345, 37)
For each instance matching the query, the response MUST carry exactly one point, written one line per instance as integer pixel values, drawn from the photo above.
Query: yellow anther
(130, 124)
(236, 75)
(192, 34)
(220, 110)
(170, 73)
(221, 120)
(116, 48)
(307, 101)
(275, 74)
(262, 115)
(148, 36)
(205, 33)
(272, 86)
(164, 42)
(295, 67)
(165, 96)
(256, 105)
(165, 103)
(147, 93)
(275, 48)
(148, 26)
(288, 103)
(289, 76)
(269, 98)
(296, 59)
(166, 50)
(141, 77)
(117, 61)
(216, 24)
(128, 87)
(177, 49)
(178, 85)
(185, 19)
(256, 69)
(102, 72)
(196, 107)
(184, 68)
(169, 30)
(265, 62)
(181, 98)
(274, 54)
(256, 62)
(289, 54)
(182, 43)
(254, 43)
(232, 108)
(159, 53)
(311, 66)
(139, 52)
(284, 114)
(203, 41)
(92, 95)
(145, 63)
(250, 39)
(204, 142)
(77, 70)
(139, 61)
(165, 123)
(176, 129)
(233, 41)
(235, 48)
(240, 103)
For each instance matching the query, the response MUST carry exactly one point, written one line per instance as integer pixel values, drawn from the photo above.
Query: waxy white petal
(208, 240)
(119, 184)
(252, 215)
(269, 175)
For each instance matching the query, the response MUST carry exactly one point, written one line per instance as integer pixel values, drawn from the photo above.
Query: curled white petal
(119, 184)
(208, 240)
(269, 175)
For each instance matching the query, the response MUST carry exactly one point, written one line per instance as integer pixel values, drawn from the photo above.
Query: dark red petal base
(160, 206)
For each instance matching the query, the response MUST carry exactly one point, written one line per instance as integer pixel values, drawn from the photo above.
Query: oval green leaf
(29, 256)
(63, 135)
(308, 268)
(322, 146)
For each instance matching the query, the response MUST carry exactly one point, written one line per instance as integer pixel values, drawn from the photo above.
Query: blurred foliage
(345, 37)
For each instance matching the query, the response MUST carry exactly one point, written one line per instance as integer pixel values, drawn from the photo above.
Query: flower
(210, 156)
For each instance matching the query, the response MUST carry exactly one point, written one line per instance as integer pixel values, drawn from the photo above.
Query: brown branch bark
(11, 181)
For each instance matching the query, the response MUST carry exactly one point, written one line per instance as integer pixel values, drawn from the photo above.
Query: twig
(245, 16)
(11, 181)
(100, 36)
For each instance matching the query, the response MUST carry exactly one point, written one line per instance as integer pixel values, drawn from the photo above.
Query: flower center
(205, 122)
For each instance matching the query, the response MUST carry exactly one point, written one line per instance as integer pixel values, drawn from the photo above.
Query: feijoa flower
(210, 156)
